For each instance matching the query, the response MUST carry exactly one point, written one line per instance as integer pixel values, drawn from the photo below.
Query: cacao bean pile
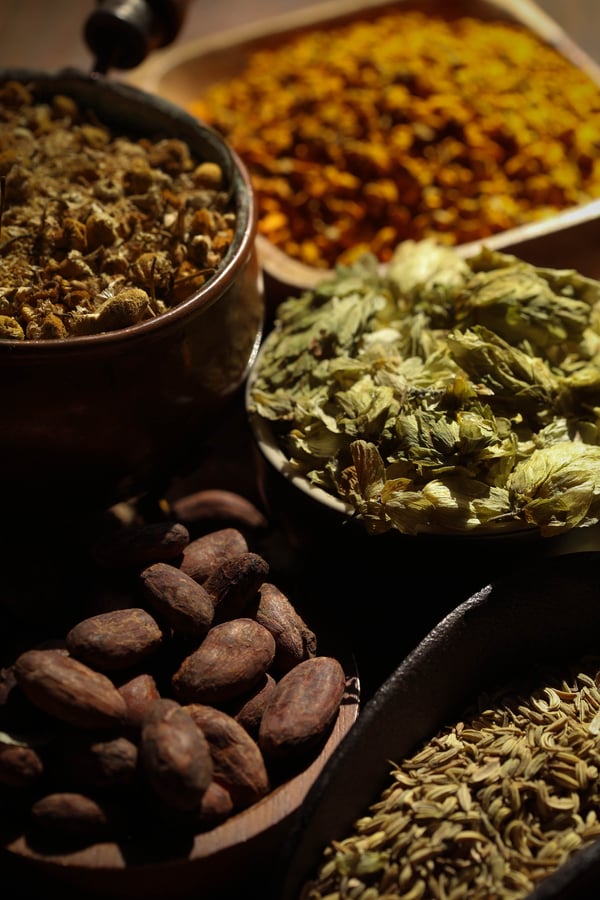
(190, 698)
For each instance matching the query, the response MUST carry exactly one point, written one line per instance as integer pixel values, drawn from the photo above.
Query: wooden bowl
(55, 584)
(183, 72)
(547, 614)
(236, 856)
(221, 862)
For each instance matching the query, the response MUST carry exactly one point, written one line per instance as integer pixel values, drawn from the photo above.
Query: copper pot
(91, 420)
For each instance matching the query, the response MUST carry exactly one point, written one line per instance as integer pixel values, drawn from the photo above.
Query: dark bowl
(541, 615)
(90, 420)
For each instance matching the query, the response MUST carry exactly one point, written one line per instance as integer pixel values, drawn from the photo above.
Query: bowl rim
(158, 114)
(272, 451)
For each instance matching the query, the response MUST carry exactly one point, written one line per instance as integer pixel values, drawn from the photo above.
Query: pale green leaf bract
(441, 394)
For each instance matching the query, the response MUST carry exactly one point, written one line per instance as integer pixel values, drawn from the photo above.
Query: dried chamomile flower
(85, 210)
(10, 329)
(127, 307)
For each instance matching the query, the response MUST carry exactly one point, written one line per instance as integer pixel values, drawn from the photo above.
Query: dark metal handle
(121, 33)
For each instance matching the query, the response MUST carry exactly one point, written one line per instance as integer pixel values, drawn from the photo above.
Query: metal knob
(121, 33)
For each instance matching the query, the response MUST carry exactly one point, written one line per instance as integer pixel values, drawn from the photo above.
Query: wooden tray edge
(284, 272)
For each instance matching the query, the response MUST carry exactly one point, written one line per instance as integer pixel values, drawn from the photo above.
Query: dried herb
(99, 230)
(489, 807)
(442, 394)
(405, 124)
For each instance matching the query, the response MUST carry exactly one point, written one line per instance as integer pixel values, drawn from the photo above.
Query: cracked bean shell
(206, 553)
(141, 545)
(177, 598)
(235, 584)
(294, 640)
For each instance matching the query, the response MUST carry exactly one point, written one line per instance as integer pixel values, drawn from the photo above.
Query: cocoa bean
(175, 597)
(175, 755)
(70, 814)
(294, 641)
(177, 758)
(94, 762)
(230, 661)
(141, 545)
(17, 714)
(20, 766)
(302, 707)
(8, 682)
(235, 583)
(216, 805)
(205, 554)
(69, 690)
(215, 504)
(139, 694)
(115, 640)
(238, 764)
(248, 710)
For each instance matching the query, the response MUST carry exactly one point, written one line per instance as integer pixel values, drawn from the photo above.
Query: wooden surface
(49, 34)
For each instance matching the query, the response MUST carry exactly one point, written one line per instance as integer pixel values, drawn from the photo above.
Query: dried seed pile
(407, 126)
(486, 809)
(193, 693)
(98, 231)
